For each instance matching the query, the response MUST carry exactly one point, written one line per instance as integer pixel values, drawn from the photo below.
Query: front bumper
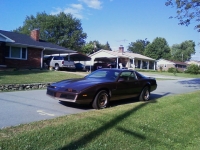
(69, 97)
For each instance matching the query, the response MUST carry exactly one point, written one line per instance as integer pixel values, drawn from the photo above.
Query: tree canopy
(94, 46)
(138, 46)
(159, 48)
(183, 51)
(187, 10)
(61, 29)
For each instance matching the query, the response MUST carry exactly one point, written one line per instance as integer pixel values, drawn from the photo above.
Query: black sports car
(102, 86)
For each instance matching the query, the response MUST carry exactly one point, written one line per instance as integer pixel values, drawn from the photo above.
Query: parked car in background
(104, 62)
(59, 62)
(80, 67)
(102, 86)
(100, 65)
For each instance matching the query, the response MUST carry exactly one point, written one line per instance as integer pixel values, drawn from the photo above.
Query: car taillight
(63, 62)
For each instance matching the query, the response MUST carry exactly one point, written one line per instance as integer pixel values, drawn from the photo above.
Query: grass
(34, 76)
(170, 122)
(185, 75)
(45, 76)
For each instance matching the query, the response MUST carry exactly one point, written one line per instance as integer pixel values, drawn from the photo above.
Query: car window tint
(125, 75)
(132, 77)
(104, 74)
(98, 74)
(139, 76)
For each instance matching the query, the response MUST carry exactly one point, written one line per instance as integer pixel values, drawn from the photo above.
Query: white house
(127, 59)
(193, 62)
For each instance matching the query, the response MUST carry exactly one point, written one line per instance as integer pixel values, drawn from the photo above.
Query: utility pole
(182, 57)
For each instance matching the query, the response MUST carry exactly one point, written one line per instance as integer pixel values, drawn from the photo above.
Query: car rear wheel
(101, 100)
(145, 94)
(57, 67)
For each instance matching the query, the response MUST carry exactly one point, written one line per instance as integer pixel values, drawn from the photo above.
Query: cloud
(74, 9)
(95, 4)
(77, 9)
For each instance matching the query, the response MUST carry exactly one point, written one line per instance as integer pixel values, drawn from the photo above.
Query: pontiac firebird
(102, 86)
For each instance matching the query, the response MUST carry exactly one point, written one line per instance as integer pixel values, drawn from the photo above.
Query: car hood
(77, 84)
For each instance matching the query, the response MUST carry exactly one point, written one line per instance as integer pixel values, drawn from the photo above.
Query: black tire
(101, 100)
(145, 94)
(57, 67)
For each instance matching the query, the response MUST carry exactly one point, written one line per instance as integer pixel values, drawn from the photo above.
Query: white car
(59, 62)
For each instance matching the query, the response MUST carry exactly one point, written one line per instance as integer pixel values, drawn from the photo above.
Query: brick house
(166, 64)
(23, 51)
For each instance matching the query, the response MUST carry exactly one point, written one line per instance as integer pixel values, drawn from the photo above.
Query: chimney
(121, 49)
(35, 34)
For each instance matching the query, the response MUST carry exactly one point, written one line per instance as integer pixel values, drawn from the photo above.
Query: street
(28, 106)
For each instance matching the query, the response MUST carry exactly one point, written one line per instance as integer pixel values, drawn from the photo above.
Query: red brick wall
(35, 34)
(1, 60)
(33, 60)
(1, 53)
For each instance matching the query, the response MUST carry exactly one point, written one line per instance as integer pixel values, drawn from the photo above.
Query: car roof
(115, 69)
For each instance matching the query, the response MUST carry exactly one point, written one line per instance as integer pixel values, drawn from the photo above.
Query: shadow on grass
(81, 142)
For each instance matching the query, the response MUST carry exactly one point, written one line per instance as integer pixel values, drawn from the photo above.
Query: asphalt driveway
(29, 106)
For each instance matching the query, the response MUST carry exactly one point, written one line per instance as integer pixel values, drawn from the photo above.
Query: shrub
(172, 70)
(161, 68)
(193, 69)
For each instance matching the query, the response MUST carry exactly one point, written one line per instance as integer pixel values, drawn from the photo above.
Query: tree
(187, 10)
(94, 46)
(106, 46)
(61, 29)
(88, 48)
(138, 46)
(183, 51)
(158, 49)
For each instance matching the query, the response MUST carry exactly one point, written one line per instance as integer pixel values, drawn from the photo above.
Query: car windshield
(104, 74)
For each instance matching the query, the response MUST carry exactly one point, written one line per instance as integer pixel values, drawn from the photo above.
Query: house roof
(14, 38)
(179, 62)
(124, 54)
(73, 56)
(174, 62)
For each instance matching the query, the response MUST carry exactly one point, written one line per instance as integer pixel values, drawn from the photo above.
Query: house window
(16, 52)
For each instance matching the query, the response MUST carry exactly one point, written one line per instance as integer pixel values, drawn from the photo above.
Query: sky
(118, 22)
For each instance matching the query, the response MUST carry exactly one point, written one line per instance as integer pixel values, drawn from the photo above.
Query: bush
(172, 70)
(193, 69)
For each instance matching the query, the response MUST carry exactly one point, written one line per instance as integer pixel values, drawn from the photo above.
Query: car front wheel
(145, 94)
(101, 100)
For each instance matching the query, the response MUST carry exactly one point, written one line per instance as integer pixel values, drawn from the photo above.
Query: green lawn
(43, 76)
(34, 76)
(167, 123)
(185, 75)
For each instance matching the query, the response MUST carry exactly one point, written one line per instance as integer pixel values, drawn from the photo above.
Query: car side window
(132, 77)
(139, 76)
(125, 75)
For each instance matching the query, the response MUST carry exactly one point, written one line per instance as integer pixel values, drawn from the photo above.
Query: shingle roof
(22, 39)
(178, 62)
(125, 54)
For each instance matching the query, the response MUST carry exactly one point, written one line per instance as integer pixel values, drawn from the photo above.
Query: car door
(127, 85)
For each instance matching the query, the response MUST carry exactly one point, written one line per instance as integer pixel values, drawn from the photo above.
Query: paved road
(28, 106)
